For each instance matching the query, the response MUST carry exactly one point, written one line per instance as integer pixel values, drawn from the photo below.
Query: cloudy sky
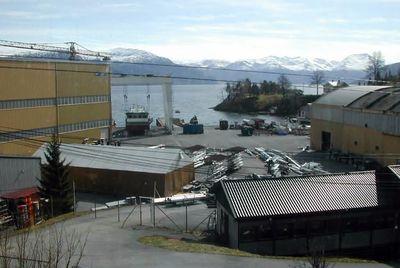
(186, 30)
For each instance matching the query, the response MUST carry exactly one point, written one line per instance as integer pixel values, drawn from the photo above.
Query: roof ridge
(303, 176)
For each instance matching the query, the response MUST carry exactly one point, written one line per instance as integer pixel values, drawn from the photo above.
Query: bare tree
(317, 78)
(284, 83)
(375, 67)
(53, 247)
(316, 257)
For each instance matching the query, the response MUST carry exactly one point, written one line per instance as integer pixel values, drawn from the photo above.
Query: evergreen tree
(55, 183)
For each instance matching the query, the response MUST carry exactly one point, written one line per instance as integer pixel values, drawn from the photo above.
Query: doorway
(326, 141)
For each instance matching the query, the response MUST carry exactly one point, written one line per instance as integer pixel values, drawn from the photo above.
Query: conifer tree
(56, 184)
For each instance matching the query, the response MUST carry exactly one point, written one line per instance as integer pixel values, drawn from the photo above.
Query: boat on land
(137, 121)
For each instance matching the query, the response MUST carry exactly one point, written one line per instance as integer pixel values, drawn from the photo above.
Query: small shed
(337, 213)
(125, 170)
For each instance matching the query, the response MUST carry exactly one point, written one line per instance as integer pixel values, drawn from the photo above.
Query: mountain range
(350, 68)
(135, 61)
(352, 62)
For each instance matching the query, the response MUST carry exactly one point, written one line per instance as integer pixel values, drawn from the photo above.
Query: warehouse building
(360, 120)
(41, 97)
(337, 213)
(126, 171)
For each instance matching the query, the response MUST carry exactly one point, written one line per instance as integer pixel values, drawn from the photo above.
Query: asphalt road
(109, 245)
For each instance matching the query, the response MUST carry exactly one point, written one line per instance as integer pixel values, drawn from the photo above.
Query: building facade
(337, 213)
(18, 173)
(361, 120)
(41, 97)
(125, 170)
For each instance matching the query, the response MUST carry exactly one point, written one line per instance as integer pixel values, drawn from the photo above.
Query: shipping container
(223, 124)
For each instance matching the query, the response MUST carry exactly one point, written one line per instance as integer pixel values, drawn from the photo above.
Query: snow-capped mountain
(136, 55)
(211, 63)
(352, 62)
(351, 67)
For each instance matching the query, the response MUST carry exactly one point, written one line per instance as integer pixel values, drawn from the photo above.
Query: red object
(21, 193)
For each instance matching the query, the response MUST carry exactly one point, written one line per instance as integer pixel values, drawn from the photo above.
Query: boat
(137, 120)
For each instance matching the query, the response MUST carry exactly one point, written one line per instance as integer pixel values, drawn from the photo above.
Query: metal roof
(250, 198)
(395, 169)
(386, 99)
(125, 158)
(345, 96)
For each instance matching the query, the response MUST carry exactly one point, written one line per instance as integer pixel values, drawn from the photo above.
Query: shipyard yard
(215, 138)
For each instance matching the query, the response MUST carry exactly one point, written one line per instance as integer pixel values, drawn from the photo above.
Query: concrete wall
(26, 80)
(18, 172)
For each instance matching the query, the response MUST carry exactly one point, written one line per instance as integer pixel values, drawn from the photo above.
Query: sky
(192, 30)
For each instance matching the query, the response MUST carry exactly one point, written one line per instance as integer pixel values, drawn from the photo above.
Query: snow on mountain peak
(136, 55)
(353, 62)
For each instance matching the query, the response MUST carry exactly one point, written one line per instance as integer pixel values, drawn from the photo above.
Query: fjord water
(189, 100)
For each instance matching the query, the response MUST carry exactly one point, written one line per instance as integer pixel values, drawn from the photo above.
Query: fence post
(140, 210)
(118, 211)
(186, 216)
(95, 209)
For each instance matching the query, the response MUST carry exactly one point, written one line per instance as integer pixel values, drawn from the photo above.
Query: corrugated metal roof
(259, 198)
(126, 158)
(381, 100)
(18, 172)
(395, 169)
(345, 96)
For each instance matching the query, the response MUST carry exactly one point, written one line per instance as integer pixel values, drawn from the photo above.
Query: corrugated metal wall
(18, 172)
(386, 123)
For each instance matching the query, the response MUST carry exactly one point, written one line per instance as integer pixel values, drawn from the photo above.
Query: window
(247, 233)
(316, 227)
(284, 230)
(265, 231)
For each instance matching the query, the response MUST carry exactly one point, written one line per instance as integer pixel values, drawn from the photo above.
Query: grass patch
(204, 248)
(191, 246)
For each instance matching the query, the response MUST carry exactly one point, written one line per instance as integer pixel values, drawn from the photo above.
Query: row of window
(137, 116)
(83, 125)
(13, 104)
(27, 103)
(24, 134)
(83, 99)
(266, 231)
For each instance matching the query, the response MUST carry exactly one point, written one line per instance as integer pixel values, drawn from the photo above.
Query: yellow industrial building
(39, 97)
(359, 120)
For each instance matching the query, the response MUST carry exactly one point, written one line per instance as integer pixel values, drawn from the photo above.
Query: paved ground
(109, 245)
(215, 138)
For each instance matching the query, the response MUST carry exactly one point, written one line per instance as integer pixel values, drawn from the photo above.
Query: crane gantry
(72, 50)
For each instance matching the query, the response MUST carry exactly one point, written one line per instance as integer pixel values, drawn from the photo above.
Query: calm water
(188, 99)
